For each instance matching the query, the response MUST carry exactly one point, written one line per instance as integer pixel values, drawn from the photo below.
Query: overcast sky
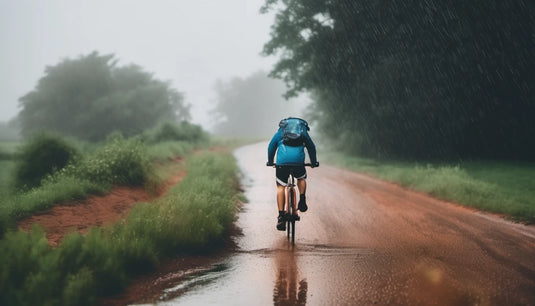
(192, 43)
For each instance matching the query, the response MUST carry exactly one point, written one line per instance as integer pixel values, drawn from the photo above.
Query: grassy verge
(192, 217)
(118, 162)
(500, 187)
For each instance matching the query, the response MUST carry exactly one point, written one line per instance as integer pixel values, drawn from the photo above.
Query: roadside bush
(41, 155)
(120, 161)
(183, 131)
(166, 150)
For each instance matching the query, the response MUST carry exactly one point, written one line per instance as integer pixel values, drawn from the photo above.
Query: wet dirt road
(364, 242)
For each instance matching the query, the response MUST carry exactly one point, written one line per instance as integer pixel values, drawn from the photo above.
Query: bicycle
(291, 200)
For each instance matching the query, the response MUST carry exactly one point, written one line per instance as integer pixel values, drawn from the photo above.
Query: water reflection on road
(290, 287)
(264, 271)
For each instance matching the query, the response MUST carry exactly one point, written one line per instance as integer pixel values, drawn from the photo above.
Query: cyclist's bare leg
(302, 185)
(281, 197)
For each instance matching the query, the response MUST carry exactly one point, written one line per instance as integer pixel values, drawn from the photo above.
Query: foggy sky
(192, 43)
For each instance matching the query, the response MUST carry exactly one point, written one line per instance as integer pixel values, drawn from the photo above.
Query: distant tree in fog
(251, 107)
(9, 130)
(90, 97)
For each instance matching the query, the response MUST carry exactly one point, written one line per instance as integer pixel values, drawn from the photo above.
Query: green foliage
(90, 97)
(192, 217)
(412, 79)
(40, 156)
(120, 161)
(166, 150)
(500, 187)
(183, 131)
(194, 214)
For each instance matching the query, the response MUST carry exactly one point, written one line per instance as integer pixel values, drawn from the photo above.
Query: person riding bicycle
(289, 143)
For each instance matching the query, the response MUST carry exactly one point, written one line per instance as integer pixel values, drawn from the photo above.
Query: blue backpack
(293, 131)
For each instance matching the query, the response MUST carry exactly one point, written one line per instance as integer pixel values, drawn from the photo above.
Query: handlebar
(274, 165)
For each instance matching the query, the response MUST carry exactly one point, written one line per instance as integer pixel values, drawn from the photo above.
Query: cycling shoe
(302, 206)
(281, 223)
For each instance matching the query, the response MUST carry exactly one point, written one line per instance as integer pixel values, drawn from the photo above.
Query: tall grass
(166, 150)
(191, 218)
(496, 186)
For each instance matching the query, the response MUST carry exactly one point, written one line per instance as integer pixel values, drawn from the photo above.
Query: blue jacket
(290, 155)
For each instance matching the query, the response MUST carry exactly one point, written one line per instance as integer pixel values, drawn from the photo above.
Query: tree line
(91, 97)
(413, 79)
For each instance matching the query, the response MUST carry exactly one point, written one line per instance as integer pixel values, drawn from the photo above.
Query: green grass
(193, 217)
(496, 186)
(166, 150)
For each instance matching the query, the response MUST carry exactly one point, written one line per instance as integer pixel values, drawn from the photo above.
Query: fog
(191, 43)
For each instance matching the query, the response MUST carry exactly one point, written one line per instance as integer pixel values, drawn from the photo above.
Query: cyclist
(291, 155)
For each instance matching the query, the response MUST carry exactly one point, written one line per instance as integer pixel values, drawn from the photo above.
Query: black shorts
(283, 173)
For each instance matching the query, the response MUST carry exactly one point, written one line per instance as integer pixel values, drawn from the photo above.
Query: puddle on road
(195, 279)
(283, 275)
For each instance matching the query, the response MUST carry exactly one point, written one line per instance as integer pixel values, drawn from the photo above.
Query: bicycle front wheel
(290, 225)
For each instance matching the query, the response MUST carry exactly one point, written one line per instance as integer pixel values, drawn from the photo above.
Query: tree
(90, 97)
(408, 78)
(251, 107)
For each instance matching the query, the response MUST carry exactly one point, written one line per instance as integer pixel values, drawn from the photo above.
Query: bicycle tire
(290, 226)
(293, 230)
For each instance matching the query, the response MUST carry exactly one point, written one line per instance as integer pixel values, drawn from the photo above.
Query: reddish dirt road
(365, 242)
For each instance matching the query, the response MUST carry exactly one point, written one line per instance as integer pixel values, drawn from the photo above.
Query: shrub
(120, 161)
(41, 155)
(183, 131)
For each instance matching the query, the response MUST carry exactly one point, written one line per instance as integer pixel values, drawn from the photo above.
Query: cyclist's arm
(311, 149)
(273, 145)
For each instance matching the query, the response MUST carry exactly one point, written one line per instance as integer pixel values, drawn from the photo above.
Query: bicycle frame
(290, 206)
(291, 201)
